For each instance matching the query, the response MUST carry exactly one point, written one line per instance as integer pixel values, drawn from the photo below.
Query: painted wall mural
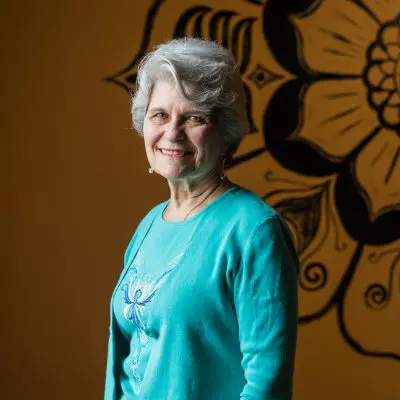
(323, 86)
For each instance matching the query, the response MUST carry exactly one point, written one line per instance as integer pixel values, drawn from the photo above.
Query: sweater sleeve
(265, 299)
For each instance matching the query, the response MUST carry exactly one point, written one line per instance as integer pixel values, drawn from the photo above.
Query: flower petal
(388, 67)
(335, 37)
(232, 25)
(375, 76)
(308, 206)
(394, 99)
(393, 51)
(377, 172)
(372, 302)
(378, 54)
(269, 178)
(392, 115)
(325, 261)
(383, 10)
(379, 98)
(391, 34)
(336, 117)
(388, 84)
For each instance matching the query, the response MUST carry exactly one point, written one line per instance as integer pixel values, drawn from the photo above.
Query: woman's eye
(159, 115)
(197, 119)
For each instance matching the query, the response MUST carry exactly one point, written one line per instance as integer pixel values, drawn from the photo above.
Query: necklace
(205, 198)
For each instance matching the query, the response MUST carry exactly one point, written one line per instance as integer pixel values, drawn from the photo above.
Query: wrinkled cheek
(149, 153)
(149, 144)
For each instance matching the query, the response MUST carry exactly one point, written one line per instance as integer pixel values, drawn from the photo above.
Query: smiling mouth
(174, 153)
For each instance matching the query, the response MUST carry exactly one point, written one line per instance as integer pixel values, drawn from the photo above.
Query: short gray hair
(205, 74)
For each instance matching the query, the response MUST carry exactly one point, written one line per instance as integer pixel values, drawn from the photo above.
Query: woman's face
(181, 141)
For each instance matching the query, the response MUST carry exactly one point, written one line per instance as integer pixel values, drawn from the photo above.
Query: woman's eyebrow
(156, 109)
(204, 113)
(197, 111)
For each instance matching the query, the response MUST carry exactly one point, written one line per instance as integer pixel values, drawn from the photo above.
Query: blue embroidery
(138, 292)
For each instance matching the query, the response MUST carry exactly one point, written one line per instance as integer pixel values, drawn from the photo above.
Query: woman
(206, 306)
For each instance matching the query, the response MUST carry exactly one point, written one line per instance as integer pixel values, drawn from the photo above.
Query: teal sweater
(206, 309)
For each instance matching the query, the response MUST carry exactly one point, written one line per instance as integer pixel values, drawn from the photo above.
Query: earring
(151, 170)
(222, 176)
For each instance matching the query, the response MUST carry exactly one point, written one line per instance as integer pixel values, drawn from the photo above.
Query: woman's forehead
(165, 94)
(164, 91)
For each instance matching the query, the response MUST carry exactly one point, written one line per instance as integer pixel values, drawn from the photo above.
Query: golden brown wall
(76, 183)
(75, 190)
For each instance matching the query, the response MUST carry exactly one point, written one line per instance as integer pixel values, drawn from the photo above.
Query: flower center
(382, 74)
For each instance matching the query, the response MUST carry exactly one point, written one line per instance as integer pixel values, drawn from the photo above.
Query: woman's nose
(174, 131)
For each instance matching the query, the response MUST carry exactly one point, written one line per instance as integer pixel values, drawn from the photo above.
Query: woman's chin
(173, 174)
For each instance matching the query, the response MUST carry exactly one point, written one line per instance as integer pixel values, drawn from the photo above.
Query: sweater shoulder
(149, 217)
(242, 213)
(246, 206)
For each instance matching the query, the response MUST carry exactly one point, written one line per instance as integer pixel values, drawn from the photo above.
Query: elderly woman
(206, 305)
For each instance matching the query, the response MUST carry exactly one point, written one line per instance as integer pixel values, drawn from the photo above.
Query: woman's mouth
(173, 153)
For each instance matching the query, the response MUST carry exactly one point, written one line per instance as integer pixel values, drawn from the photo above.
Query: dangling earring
(222, 176)
(151, 170)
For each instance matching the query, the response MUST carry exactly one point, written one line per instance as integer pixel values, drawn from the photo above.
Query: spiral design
(376, 296)
(314, 277)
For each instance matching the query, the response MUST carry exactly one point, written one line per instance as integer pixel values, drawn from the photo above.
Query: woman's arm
(265, 297)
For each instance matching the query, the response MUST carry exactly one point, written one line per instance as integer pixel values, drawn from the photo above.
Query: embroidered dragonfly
(138, 292)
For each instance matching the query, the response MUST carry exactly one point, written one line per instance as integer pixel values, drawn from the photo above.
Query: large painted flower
(345, 109)
(323, 86)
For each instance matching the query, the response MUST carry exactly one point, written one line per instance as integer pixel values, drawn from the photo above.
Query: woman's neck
(188, 198)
